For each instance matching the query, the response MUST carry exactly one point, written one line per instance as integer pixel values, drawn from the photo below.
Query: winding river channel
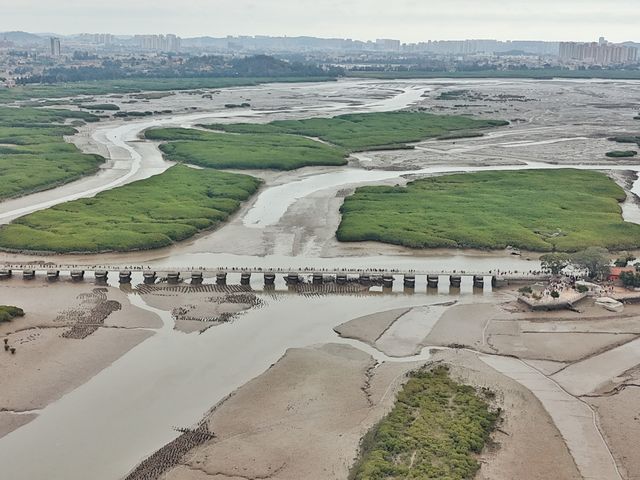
(171, 380)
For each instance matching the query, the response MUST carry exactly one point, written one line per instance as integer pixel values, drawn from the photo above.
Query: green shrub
(8, 313)
(434, 431)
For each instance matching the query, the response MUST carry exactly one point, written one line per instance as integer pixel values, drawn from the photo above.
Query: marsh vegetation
(33, 153)
(435, 430)
(146, 214)
(538, 210)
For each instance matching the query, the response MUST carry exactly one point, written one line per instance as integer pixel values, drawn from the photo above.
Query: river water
(124, 413)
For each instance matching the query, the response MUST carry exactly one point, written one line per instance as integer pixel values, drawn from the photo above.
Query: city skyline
(409, 20)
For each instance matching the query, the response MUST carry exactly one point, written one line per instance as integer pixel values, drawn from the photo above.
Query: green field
(134, 85)
(434, 431)
(223, 150)
(368, 131)
(33, 153)
(8, 313)
(538, 210)
(147, 214)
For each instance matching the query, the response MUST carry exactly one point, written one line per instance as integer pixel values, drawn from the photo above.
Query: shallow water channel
(130, 409)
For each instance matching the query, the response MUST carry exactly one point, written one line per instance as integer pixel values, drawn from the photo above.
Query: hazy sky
(407, 20)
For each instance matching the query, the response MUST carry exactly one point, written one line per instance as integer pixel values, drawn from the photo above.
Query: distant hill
(22, 38)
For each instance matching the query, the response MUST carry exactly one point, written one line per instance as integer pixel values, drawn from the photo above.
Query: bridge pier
(292, 279)
(498, 282)
(5, 273)
(28, 274)
(318, 279)
(77, 275)
(364, 279)
(409, 281)
(173, 278)
(196, 278)
(245, 278)
(455, 281)
(101, 276)
(478, 281)
(149, 278)
(341, 279)
(432, 281)
(387, 281)
(221, 278)
(124, 276)
(269, 279)
(53, 275)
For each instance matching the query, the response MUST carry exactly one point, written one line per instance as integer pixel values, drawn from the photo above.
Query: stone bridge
(196, 275)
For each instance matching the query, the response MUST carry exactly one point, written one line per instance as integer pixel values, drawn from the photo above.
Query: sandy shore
(70, 333)
(303, 418)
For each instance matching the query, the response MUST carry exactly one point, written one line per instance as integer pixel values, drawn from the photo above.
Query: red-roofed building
(614, 273)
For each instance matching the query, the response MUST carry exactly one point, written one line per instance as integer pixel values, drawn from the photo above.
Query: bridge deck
(284, 270)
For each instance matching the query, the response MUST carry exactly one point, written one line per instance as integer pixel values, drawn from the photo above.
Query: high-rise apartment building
(55, 46)
(159, 43)
(601, 53)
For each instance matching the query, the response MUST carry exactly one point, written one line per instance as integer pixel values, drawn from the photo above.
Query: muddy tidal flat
(142, 382)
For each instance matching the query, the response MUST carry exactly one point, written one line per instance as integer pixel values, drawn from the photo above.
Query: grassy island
(8, 313)
(368, 131)
(538, 210)
(146, 214)
(621, 153)
(222, 150)
(434, 432)
(33, 153)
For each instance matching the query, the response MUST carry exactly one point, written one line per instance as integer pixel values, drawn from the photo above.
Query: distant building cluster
(159, 43)
(97, 38)
(600, 53)
(387, 45)
(471, 47)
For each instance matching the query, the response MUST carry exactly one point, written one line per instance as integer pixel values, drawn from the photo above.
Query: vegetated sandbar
(537, 210)
(146, 214)
(434, 431)
(368, 131)
(33, 153)
(221, 150)
(135, 85)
